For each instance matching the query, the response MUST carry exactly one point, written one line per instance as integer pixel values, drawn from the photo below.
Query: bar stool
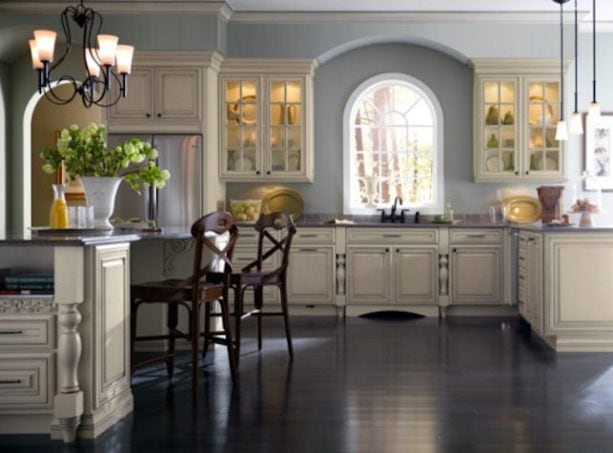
(193, 292)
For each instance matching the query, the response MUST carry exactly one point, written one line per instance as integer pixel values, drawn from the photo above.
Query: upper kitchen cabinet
(516, 108)
(166, 92)
(266, 113)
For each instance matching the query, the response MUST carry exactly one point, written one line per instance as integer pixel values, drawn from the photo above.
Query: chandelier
(104, 64)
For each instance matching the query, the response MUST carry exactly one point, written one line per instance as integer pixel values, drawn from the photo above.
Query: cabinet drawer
(27, 381)
(392, 236)
(314, 236)
(17, 331)
(470, 236)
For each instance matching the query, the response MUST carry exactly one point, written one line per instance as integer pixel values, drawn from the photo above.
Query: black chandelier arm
(594, 50)
(67, 34)
(576, 62)
(115, 100)
(52, 96)
(562, 60)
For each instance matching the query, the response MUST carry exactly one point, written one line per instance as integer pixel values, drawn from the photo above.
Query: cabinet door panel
(138, 104)
(475, 275)
(177, 94)
(310, 276)
(368, 275)
(415, 275)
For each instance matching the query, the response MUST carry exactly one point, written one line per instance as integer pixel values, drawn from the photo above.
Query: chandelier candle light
(98, 61)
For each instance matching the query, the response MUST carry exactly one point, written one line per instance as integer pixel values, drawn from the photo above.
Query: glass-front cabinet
(517, 107)
(266, 121)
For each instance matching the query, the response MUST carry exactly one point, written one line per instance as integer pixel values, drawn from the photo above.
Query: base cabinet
(530, 279)
(401, 270)
(476, 266)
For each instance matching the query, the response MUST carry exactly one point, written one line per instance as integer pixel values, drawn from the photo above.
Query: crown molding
(409, 17)
(210, 58)
(299, 66)
(116, 7)
(517, 65)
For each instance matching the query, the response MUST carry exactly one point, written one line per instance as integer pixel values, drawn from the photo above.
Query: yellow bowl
(521, 209)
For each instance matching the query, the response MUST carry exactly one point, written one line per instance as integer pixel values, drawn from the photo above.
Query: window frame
(428, 95)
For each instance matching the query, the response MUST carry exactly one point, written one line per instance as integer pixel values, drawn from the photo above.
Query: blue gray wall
(434, 52)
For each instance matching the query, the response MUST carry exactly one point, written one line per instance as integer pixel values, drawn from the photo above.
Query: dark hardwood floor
(372, 385)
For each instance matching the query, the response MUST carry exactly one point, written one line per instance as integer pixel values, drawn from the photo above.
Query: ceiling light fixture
(576, 125)
(561, 131)
(98, 61)
(594, 108)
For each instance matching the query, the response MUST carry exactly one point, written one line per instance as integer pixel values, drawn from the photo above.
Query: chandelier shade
(105, 61)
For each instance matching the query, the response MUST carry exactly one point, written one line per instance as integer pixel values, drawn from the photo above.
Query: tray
(283, 200)
(521, 209)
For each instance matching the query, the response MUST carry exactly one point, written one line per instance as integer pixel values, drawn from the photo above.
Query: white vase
(100, 193)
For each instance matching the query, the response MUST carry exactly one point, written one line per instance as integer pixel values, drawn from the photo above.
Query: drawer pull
(307, 235)
(15, 381)
(11, 332)
(307, 250)
(476, 236)
(521, 277)
(521, 258)
(391, 236)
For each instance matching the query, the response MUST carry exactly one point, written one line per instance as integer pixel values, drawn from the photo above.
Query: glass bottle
(58, 215)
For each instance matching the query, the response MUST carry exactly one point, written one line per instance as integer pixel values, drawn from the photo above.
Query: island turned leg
(69, 267)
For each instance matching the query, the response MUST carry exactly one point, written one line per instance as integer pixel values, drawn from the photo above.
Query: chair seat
(259, 278)
(170, 291)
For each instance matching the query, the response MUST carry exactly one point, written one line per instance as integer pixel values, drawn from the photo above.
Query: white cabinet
(166, 93)
(476, 266)
(266, 120)
(530, 279)
(311, 274)
(516, 109)
(396, 267)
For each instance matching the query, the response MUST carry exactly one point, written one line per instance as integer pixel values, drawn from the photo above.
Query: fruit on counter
(245, 210)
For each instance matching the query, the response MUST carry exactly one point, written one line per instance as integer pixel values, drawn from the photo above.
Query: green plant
(84, 153)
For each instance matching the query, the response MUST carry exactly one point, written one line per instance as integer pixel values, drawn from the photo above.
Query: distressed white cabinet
(166, 92)
(65, 358)
(516, 109)
(530, 279)
(311, 274)
(392, 266)
(476, 266)
(266, 120)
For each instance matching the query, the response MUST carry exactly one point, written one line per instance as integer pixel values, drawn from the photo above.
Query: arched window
(393, 146)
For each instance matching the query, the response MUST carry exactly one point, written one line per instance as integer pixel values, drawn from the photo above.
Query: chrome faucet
(392, 217)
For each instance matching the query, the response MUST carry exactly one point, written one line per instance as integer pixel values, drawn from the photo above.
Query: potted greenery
(84, 154)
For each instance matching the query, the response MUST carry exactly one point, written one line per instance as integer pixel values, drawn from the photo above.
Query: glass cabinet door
(499, 127)
(241, 126)
(543, 113)
(285, 126)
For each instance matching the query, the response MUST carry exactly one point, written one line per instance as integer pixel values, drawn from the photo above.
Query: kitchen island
(65, 358)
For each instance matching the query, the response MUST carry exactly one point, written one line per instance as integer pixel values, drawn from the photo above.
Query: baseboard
(480, 310)
(25, 424)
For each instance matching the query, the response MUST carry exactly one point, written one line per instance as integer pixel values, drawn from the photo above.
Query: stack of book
(27, 284)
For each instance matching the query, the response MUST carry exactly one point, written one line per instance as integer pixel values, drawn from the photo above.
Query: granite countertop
(66, 238)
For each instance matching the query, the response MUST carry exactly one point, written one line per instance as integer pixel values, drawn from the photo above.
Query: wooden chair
(191, 293)
(256, 275)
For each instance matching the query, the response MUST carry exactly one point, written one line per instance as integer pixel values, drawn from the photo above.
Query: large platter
(283, 200)
(521, 209)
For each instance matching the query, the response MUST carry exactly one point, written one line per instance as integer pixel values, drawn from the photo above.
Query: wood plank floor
(364, 385)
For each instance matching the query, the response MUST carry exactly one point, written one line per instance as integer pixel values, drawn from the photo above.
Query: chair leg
(207, 329)
(225, 316)
(238, 313)
(259, 301)
(288, 334)
(133, 312)
(195, 337)
(173, 320)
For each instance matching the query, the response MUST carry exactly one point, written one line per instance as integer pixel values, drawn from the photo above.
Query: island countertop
(69, 238)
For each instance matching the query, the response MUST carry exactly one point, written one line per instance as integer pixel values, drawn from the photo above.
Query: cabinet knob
(148, 115)
(527, 172)
(455, 250)
(267, 172)
(517, 173)
(159, 115)
(397, 250)
(387, 250)
(257, 172)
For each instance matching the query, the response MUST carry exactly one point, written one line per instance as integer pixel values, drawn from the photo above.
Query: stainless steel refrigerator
(179, 203)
